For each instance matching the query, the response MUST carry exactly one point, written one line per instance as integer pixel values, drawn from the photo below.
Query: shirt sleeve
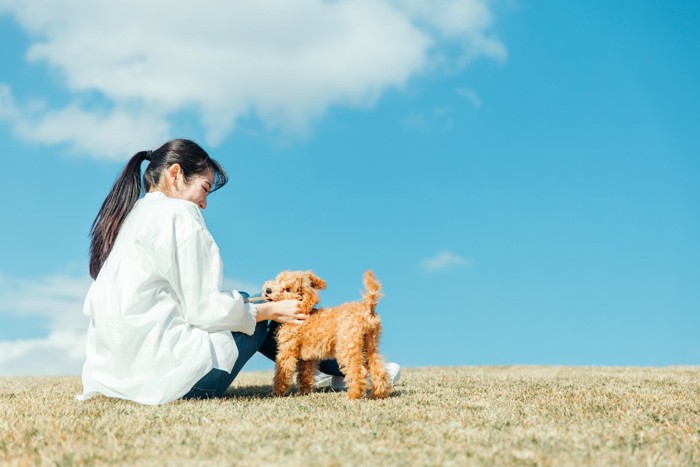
(198, 273)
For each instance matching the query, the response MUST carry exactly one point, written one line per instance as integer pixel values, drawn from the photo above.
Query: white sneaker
(394, 370)
(322, 380)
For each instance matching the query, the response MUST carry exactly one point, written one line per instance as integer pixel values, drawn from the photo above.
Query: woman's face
(195, 190)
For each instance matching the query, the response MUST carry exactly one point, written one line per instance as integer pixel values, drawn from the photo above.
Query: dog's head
(295, 285)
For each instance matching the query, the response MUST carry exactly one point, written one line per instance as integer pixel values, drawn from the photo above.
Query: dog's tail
(372, 293)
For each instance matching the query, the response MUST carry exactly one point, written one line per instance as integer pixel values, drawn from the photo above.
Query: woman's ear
(174, 174)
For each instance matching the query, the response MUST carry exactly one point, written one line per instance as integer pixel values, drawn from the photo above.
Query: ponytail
(127, 189)
(118, 204)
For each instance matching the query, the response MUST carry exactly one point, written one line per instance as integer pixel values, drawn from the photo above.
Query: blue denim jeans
(216, 382)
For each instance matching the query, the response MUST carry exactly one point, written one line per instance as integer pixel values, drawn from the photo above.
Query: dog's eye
(287, 289)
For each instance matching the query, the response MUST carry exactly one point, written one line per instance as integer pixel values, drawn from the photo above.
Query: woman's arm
(199, 272)
(196, 275)
(284, 311)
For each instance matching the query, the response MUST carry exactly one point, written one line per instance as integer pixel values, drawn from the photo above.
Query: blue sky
(522, 176)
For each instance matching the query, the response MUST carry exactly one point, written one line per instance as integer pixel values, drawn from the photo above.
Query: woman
(160, 326)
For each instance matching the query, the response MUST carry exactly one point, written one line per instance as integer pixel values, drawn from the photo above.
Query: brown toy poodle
(349, 333)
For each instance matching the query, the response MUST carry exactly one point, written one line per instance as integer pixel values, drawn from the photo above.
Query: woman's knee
(248, 345)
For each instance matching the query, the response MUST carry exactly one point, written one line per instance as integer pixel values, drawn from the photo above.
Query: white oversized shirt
(159, 321)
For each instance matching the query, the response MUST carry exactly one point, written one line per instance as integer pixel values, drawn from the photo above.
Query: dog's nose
(268, 291)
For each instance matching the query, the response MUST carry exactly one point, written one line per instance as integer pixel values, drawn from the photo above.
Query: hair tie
(148, 155)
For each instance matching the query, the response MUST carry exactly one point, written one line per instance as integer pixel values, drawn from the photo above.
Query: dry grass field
(436, 416)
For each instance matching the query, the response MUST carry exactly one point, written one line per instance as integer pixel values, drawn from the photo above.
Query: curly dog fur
(349, 333)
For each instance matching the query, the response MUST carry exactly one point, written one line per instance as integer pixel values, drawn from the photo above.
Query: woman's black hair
(193, 160)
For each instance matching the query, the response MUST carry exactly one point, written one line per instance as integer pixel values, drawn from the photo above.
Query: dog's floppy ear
(315, 281)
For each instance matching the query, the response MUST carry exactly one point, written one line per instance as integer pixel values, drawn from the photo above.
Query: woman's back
(137, 305)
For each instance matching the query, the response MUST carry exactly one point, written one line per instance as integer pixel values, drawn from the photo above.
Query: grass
(436, 416)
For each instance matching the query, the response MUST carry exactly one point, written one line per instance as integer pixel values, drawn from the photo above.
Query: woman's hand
(284, 311)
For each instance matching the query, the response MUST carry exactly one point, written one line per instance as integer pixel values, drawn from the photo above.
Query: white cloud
(131, 66)
(55, 301)
(59, 353)
(443, 260)
(88, 132)
(439, 119)
(8, 110)
(471, 96)
(464, 22)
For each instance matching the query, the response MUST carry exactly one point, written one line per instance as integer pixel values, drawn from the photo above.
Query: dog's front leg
(305, 376)
(285, 366)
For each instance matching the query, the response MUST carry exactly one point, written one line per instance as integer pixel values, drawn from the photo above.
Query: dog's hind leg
(351, 360)
(381, 387)
(305, 376)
